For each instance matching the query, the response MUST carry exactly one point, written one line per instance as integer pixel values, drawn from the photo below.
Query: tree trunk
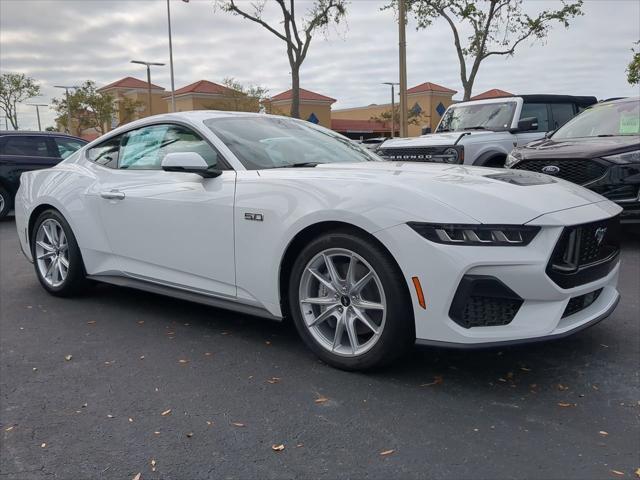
(295, 90)
(468, 87)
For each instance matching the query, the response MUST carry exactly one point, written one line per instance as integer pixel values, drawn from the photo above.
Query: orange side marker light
(418, 287)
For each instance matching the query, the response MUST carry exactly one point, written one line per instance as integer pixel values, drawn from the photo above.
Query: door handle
(112, 195)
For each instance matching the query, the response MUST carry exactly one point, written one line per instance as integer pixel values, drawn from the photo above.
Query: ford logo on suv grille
(551, 169)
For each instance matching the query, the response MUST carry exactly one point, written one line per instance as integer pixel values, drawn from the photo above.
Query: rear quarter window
(24, 146)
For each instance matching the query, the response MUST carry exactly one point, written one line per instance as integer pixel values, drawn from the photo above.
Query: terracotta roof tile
(129, 82)
(493, 93)
(304, 95)
(203, 86)
(430, 87)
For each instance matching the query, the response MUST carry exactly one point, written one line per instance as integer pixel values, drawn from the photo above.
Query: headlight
(450, 155)
(511, 160)
(624, 158)
(480, 235)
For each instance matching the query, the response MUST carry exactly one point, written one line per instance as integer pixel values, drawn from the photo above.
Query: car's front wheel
(5, 202)
(349, 302)
(56, 255)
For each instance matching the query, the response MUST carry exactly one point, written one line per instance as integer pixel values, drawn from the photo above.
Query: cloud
(69, 41)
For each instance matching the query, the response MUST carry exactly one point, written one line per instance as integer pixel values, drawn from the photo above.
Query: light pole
(38, 105)
(66, 91)
(173, 87)
(402, 20)
(393, 106)
(148, 65)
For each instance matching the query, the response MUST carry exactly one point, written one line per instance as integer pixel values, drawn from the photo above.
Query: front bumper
(541, 314)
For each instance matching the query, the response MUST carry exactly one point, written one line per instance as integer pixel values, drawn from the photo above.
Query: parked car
(373, 143)
(24, 151)
(599, 149)
(275, 217)
(483, 132)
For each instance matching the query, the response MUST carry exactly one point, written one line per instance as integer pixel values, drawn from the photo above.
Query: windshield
(609, 119)
(485, 116)
(274, 142)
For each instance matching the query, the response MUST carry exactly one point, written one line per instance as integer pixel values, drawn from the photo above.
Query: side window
(562, 113)
(140, 149)
(67, 146)
(182, 139)
(538, 110)
(25, 146)
(106, 153)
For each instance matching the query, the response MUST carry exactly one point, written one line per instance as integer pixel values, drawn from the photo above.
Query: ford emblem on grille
(600, 233)
(551, 169)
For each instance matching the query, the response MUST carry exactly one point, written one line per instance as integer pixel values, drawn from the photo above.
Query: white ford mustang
(277, 217)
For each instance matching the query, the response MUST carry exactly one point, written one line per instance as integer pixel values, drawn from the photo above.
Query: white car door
(168, 227)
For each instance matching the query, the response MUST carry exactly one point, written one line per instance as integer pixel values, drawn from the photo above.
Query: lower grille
(489, 312)
(585, 253)
(483, 301)
(577, 304)
(576, 171)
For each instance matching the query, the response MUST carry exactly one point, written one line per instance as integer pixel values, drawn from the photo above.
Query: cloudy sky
(67, 42)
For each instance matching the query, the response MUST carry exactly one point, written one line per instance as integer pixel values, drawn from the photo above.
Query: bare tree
(319, 16)
(498, 27)
(16, 88)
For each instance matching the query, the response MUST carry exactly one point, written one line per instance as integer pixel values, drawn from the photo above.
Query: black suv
(24, 151)
(599, 149)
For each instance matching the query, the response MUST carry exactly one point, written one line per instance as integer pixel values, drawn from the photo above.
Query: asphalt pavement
(120, 382)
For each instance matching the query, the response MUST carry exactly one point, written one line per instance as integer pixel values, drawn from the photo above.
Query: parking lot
(120, 382)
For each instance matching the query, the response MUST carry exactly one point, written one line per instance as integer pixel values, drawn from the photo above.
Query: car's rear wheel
(349, 302)
(56, 255)
(5, 202)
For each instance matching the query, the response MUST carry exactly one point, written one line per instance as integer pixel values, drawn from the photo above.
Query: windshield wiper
(299, 165)
(478, 127)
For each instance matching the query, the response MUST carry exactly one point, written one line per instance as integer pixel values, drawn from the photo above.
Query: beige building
(426, 102)
(131, 97)
(314, 107)
(206, 95)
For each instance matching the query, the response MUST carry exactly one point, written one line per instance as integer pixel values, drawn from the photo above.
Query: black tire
(398, 334)
(7, 202)
(75, 281)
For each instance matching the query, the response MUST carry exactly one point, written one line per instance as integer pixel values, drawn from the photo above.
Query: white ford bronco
(483, 132)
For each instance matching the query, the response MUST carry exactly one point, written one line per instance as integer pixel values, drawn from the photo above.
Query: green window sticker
(629, 124)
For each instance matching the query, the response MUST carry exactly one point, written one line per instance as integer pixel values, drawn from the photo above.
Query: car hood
(588, 147)
(437, 139)
(486, 195)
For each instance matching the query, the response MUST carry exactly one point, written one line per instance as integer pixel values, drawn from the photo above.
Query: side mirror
(527, 124)
(188, 162)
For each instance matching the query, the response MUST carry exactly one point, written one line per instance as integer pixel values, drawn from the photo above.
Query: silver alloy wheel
(342, 302)
(52, 252)
(2, 202)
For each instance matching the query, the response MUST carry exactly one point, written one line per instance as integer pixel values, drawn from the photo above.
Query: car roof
(37, 134)
(615, 101)
(583, 101)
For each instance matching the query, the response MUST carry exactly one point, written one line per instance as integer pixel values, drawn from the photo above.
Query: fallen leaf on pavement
(562, 387)
(34, 369)
(153, 465)
(603, 433)
(183, 361)
(564, 404)
(617, 472)
(437, 380)
(300, 445)
(321, 400)
(109, 416)
(91, 322)
(8, 429)
(267, 342)
(525, 369)
(237, 424)
(273, 380)
(136, 477)
(43, 445)
(141, 357)
(68, 357)
(141, 322)
(130, 420)
(209, 422)
(277, 448)
(190, 434)
(156, 433)
(166, 412)
(208, 354)
(386, 452)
